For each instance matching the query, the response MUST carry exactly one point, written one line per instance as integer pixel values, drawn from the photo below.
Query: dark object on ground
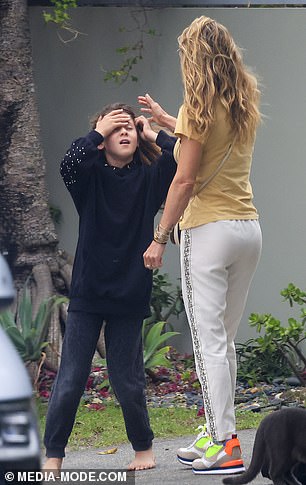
(300, 473)
(279, 449)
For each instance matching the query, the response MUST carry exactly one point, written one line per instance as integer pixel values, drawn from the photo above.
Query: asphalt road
(168, 470)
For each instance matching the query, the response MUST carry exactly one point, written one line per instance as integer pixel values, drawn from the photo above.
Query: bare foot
(143, 460)
(53, 465)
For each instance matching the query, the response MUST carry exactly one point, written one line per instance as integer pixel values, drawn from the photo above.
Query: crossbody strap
(226, 156)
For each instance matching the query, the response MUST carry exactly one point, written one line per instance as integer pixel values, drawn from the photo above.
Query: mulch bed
(178, 386)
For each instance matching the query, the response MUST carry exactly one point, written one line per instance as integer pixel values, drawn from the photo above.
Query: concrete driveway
(168, 470)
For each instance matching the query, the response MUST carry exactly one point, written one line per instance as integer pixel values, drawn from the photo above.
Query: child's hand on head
(115, 119)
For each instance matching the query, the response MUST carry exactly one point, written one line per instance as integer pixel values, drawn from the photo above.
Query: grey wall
(70, 88)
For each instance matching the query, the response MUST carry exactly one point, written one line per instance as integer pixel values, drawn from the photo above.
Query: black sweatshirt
(116, 210)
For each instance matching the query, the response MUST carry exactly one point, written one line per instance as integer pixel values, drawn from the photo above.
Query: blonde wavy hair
(212, 67)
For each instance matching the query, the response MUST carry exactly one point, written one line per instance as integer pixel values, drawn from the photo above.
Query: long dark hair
(148, 152)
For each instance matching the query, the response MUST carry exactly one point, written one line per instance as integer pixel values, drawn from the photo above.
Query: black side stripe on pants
(202, 375)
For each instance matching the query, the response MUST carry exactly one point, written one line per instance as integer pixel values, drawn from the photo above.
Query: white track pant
(218, 261)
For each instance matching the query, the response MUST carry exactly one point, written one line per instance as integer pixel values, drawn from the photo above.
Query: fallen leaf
(95, 406)
(108, 452)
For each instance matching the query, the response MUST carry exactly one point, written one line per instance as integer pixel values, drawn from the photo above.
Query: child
(118, 180)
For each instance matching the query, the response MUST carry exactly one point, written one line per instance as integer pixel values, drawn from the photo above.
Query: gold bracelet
(161, 235)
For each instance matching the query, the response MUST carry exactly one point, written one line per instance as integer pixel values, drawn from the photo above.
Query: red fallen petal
(201, 411)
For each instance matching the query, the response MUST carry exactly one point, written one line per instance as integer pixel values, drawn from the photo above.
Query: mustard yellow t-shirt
(229, 194)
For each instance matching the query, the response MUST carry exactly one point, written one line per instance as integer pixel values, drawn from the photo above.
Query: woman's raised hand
(152, 108)
(157, 113)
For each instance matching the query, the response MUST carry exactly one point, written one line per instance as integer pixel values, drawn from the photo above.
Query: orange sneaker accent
(232, 463)
(233, 443)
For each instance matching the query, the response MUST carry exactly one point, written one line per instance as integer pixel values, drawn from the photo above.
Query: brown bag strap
(226, 156)
(175, 235)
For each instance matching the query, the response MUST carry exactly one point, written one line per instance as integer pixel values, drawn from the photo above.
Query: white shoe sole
(185, 461)
(219, 471)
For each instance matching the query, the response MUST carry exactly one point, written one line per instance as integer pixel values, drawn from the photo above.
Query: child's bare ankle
(53, 464)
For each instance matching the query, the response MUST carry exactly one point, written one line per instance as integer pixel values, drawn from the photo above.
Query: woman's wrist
(161, 234)
(169, 122)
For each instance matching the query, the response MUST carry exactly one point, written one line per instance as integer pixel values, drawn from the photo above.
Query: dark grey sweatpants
(124, 356)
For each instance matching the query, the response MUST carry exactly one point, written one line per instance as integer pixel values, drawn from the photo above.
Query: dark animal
(299, 472)
(279, 450)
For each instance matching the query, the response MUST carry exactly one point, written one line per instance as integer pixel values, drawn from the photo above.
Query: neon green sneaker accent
(213, 450)
(202, 441)
(197, 448)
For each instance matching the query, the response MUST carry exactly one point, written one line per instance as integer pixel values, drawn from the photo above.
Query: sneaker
(186, 456)
(220, 459)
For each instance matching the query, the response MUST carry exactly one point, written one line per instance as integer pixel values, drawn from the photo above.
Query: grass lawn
(104, 428)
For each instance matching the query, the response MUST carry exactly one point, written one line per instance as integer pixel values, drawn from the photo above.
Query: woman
(117, 191)
(221, 236)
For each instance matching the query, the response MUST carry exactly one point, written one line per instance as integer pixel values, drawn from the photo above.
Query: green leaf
(29, 336)
(158, 359)
(17, 340)
(47, 17)
(25, 311)
(30, 349)
(7, 319)
(154, 339)
(42, 320)
(104, 383)
(123, 50)
(43, 317)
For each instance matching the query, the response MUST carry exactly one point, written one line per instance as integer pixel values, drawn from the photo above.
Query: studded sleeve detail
(78, 158)
(70, 163)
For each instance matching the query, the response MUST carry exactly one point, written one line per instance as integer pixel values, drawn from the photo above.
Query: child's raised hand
(144, 129)
(115, 119)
